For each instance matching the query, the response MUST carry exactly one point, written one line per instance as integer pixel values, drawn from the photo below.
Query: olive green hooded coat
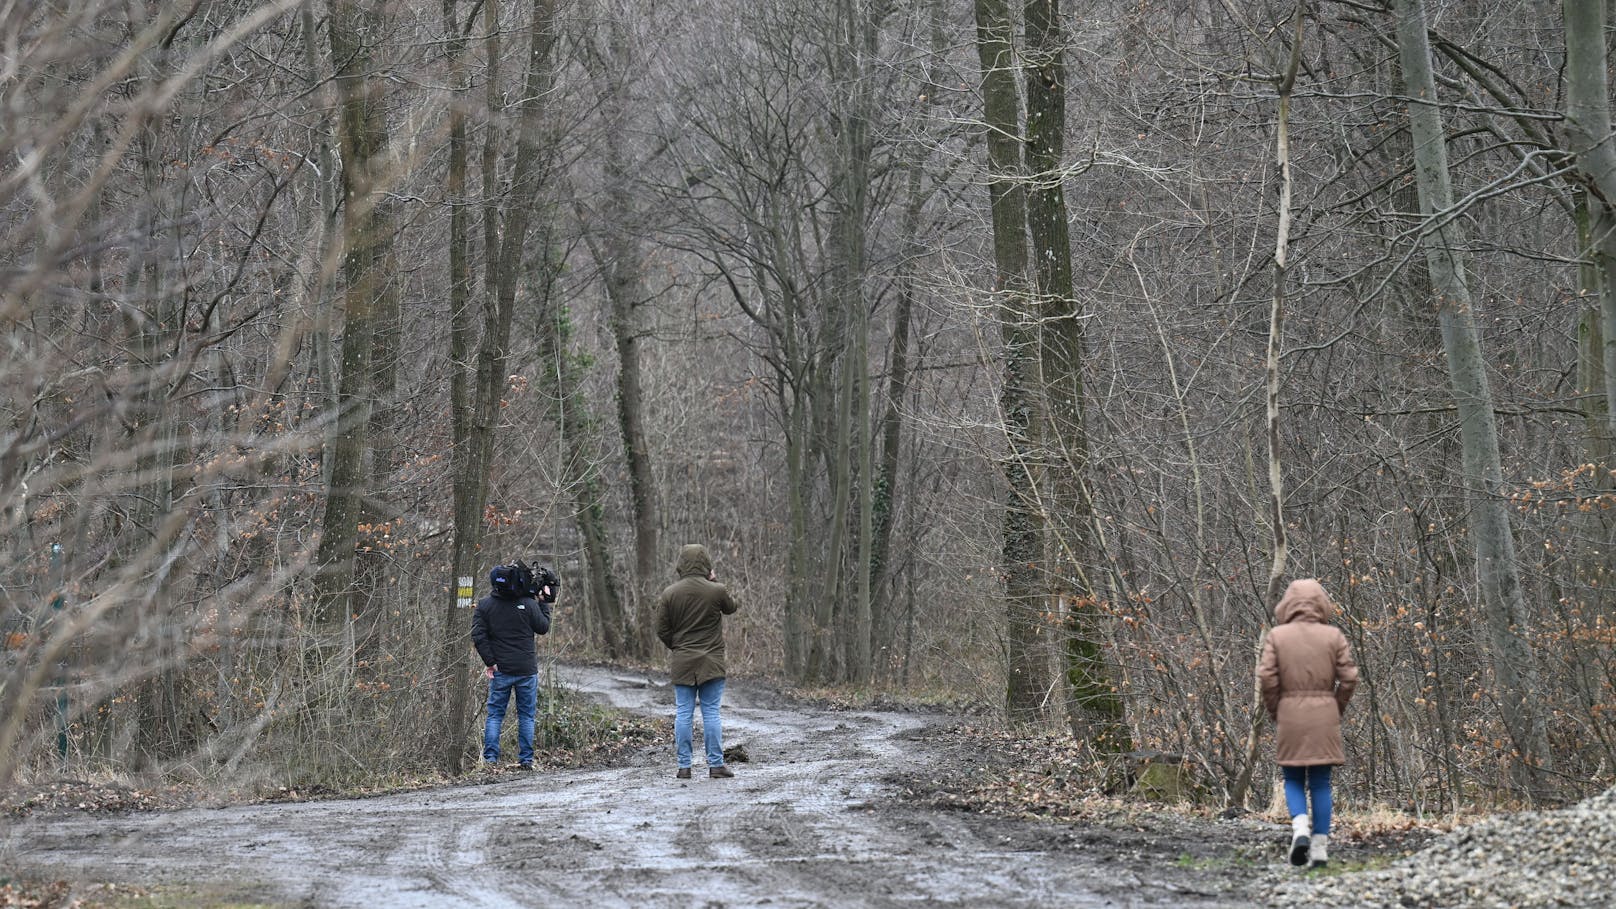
(1307, 676)
(690, 619)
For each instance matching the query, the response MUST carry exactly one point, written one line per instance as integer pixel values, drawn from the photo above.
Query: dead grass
(584, 735)
(29, 894)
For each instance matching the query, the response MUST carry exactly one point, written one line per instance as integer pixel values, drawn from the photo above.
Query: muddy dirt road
(812, 820)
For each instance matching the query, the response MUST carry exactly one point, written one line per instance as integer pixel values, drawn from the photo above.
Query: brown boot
(720, 772)
(683, 774)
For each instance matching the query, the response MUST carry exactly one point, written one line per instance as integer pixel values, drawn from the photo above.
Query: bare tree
(620, 256)
(1588, 125)
(1514, 663)
(368, 270)
(506, 239)
(1023, 554)
(1284, 87)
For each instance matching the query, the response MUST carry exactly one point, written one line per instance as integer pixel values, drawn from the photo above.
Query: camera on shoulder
(538, 578)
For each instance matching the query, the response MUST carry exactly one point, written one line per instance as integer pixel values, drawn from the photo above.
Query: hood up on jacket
(693, 561)
(1304, 601)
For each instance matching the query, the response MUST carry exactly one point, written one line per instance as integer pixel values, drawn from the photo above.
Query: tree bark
(854, 51)
(625, 288)
(581, 470)
(353, 29)
(1588, 124)
(453, 656)
(1503, 602)
(886, 482)
(1027, 672)
(1276, 320)
(1094, 704)
(503, 251)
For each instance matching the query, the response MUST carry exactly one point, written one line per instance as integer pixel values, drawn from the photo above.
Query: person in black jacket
(502, 628)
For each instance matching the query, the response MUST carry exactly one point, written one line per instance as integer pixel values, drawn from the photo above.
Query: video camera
(519, 580)
(544, 577)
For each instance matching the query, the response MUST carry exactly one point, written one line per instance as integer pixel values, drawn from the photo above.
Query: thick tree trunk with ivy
(1094, 704)
(581, 471)
(1028, 680)
(1515, 675)
(890, 432)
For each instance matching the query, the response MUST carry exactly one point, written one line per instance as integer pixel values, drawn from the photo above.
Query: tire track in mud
(809, 821)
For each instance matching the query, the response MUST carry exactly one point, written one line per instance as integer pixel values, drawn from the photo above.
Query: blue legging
(1302, 782)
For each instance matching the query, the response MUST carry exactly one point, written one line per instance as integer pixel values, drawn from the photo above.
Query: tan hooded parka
(690, 619)
(1307, 676)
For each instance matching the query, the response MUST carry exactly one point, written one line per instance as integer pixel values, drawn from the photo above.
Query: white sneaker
(1319, 851)
(1300, 825)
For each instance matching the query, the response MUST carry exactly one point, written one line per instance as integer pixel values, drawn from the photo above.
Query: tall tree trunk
(1276, 321)
(354, 28)
(625, 288)
(836, 417)
(581, 468)
(1595, 561)
(1026, 660)
(1503, 602)
(884, 507)
(800, 603)
(1591, 289)
(855, 49)
(454, 656)
(371, 560)
(1588, 124)
(829, 415)
(157, 730)
(503, 253)
(326, 217)
(1094, 704)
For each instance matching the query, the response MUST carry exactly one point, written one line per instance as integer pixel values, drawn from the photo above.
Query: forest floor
(834, 806)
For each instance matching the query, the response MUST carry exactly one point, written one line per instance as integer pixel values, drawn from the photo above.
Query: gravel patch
(1532, 859)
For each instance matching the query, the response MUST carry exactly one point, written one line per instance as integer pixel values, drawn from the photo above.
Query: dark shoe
(683, 774)
(525, 765)
(720, 772)
(1299, 848)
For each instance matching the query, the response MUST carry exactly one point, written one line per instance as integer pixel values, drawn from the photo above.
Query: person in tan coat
(690, 622)
(1307, 676)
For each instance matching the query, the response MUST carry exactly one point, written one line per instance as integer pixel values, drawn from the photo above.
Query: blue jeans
(711, 693)
(1302, 782)
(500, 687)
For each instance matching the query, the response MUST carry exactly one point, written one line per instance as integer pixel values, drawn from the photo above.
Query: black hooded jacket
(503, 629)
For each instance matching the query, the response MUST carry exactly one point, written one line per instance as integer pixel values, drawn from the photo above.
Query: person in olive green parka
(690, 622)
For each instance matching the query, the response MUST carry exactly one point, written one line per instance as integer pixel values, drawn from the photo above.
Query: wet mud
(816, 816)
